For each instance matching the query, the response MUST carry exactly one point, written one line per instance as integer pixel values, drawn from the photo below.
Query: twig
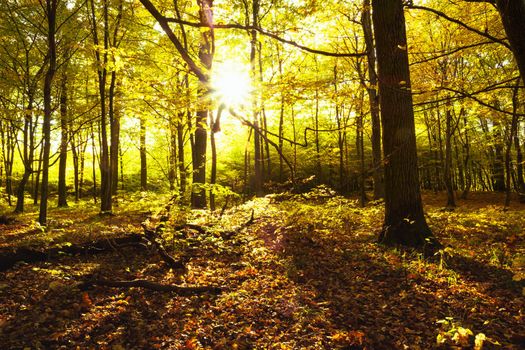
(141, 283)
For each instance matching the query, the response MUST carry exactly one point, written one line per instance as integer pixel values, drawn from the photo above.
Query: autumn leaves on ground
(305, 273)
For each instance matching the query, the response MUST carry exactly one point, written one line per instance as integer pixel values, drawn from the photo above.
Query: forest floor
(305, 274)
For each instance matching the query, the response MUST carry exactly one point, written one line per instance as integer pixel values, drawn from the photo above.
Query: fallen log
(141, 283)
(8, 258)
(6, 220)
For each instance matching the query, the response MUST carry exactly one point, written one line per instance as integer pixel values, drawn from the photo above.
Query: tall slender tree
(51, 11)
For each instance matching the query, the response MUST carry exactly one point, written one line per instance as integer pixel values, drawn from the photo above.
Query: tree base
(412, 235)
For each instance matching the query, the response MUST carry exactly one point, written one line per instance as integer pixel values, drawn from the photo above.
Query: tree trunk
(508, 148)
(404, 222)
(449, 130)
(181, 157)
(360, 147)
(51, 8)
(106, 204)
(143, 156)
(35, 176)
(94, 153)
(28, 151)
(206, 51)
(466, 161)
(519, 161)
(513, 17)
(213, 176)
(318, 167)
(258, 163)
(379, 189)
(7, 136)
(62, 190)
(114, 120)
(281, 124)
(498, 170)
(76, 169)
(172, 154)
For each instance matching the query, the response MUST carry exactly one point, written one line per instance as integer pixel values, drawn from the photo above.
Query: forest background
(291, 101)
(299, 124)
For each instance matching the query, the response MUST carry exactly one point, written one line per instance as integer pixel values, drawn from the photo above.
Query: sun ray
(231, 83)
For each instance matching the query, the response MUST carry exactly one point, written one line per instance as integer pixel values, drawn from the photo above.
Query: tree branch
(141, 283)
(178, 45)
(460, 23)
(268, 34)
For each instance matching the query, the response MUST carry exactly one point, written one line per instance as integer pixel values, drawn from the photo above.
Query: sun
(231, 83)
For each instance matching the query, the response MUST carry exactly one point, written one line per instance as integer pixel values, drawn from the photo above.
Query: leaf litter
(306, 274)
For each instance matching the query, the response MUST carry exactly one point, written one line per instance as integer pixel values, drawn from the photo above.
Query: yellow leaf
(478, 341)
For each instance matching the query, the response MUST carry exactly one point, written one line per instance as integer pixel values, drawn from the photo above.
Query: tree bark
(181, 157)
(449, 130)
(143, 156)
(379, 189)
(51, 9)
(28, 151)
(258, 163)
(508, 148)
(513, 17)
(404, 222)
(206, 51)
(106, 204)
(62, 165)
(498, 166)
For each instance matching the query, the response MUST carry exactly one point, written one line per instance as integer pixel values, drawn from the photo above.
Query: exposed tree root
(153, 233)
(141, 283)
(9, 258)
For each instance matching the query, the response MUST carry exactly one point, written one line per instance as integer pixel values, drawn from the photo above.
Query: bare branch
(268, 34)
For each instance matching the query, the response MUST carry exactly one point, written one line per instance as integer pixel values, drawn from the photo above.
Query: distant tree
(404, 222)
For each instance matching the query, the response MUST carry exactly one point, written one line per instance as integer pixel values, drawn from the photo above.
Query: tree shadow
(373, 290)
(495, 278)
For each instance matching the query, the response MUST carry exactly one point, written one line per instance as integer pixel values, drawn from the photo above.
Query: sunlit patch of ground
(305, 275)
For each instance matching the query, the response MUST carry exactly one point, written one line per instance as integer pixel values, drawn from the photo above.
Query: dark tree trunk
(318, 167)
(360, 147)
(114, 120)
(258, 162)
(181, 157)
(213, 175)
(172, 156)
(498, 169)
(379, 188)
(466, 161)
(36, 176)
(519, 161)
(7, 135)
(508, 148)
(281, 124)
(76, 169)
(405, 222)
(106, 205)
(94, 174)
(51, 8)
(449, 130)
(143, 156)
(513, 17)
(28, 151)
(62, 165)
(206, 51)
